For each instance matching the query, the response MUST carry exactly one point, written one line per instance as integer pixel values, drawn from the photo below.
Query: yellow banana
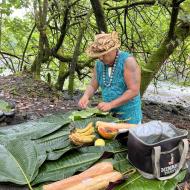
(74, 140)
(89, 132)
(82, 139)
(83, 130)
(88, 139)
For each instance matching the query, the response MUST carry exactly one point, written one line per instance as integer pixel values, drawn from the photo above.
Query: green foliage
(77, 115)
(5, 106)
(25, 156)
(19, 162)
(137, 182)
(142, 28)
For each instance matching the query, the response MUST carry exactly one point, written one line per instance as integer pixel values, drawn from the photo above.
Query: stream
(168, 93)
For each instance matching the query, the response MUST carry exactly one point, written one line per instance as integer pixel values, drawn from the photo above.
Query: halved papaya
(107, 132)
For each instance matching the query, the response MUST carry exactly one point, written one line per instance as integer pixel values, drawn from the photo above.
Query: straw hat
(103, 44)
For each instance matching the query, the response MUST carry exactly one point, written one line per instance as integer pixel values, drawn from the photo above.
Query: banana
(83, 136)
(89, 132)
(74, 140)
(88, 127)
(88, 139)
(78, 139)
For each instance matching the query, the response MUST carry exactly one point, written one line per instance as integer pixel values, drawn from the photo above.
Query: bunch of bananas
(83, 136)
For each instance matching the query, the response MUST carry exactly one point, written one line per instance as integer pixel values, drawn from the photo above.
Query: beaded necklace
(108, 83)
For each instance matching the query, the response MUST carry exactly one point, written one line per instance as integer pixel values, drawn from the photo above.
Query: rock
(9, 114)
(2, 118)
(175, 111)
(1, 114)
(167, 108)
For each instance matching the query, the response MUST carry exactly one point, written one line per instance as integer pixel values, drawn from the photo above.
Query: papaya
(109, 130)
(115, 125)
(107, 133)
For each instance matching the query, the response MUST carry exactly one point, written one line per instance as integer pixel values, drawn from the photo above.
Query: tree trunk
(63, 74)
(74, 63)
(158, 58)
(99, 14)
(76, 55)
(43, 49)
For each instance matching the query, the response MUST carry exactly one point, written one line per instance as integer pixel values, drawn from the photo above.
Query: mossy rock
(6, 108)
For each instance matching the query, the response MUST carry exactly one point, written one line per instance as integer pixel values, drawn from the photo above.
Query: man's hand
(83, 102)
(104, 106)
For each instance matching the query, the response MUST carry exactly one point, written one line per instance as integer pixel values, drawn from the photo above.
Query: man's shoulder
(98, 62)
(125, 54)
(98, 65)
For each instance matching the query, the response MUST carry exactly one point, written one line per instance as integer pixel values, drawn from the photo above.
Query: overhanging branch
(9, 54)
(127, 6)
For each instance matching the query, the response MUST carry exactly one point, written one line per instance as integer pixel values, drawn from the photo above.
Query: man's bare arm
(132, 76)
(92, 87)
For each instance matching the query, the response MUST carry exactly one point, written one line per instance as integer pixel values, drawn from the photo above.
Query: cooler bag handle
(183, 146)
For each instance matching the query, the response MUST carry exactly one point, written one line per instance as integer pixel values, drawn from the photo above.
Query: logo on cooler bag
(171, 168)
(172, 159)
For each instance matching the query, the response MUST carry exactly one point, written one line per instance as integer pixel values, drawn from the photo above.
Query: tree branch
(180, 1)
(63, 32)
(9, 54)
(99, 14)
(30, 35)
(132, 5)
(175, 11)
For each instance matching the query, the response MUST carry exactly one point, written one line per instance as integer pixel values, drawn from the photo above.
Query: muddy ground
(35, 99)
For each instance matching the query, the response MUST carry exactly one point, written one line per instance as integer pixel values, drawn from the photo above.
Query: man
(118, 75)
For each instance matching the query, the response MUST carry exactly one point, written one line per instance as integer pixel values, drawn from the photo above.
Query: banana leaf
(57, 117)
(32, 129)
(137, 182)
(121, 163)
(55, 145)
(83, 114)
(58, 143)
(20, 161)
(82, 123)
(74, 161)
(69, 164)
(56, 154)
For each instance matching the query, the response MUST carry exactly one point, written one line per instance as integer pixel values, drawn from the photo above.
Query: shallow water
(168, 93)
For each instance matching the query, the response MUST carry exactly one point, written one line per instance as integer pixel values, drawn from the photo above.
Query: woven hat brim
(98, 54)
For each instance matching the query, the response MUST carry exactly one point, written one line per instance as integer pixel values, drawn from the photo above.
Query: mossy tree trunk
(63, 74)
(74, 63)
(176, 35)
(76, 55)
(158, 58)
(43, 49)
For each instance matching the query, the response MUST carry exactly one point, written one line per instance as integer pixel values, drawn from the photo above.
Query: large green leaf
(55, 144)
(121, 163)
(137, 182)
(83, 114)
(58, 143)
(56, 154)
(76, 160)
(70, 163)
(34, 129)
(82, 123)
(19, 162)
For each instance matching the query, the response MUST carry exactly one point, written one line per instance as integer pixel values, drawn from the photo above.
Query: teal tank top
(130, 111)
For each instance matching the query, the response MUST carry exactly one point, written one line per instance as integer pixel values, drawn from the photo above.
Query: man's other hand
(83, 102)
(104, 106)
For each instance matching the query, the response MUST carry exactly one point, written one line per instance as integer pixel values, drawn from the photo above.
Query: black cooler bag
(157, 149)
